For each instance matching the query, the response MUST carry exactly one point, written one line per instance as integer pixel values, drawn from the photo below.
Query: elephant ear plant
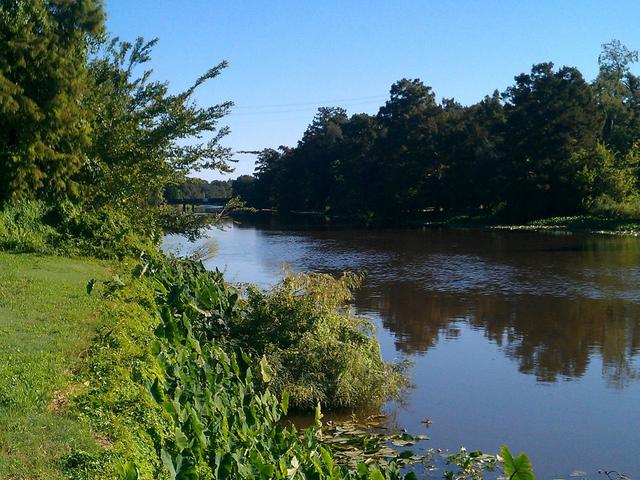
(180, 391)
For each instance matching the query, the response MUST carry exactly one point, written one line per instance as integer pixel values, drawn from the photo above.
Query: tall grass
(35, 227)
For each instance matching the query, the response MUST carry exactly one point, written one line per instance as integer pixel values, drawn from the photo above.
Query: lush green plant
(516, 468)
(23, 228)
(475, 465)
(178, 399)
(34, 226)
(320, 352)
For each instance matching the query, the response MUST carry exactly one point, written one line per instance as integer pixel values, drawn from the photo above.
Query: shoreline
(587, 224)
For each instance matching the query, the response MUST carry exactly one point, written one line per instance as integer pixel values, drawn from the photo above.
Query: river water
(522, 338)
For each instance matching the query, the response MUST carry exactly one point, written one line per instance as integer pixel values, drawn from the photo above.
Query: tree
(45, 125)
(409, 164)
(271, 173)
(315, 158)
(551, 115)
(354, 168)
(244, 187)
(470, 146)
(617, 92)
(145, 138)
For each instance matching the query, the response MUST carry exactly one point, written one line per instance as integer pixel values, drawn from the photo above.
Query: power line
(307, 109)
(315, 102)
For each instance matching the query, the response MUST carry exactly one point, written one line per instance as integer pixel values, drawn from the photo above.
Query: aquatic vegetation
(477, 465)
(320, 352)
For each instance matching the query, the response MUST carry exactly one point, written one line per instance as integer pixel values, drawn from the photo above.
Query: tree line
(550, 144)
(196, 189)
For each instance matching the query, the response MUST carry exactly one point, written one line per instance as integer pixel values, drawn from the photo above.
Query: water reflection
(548, 337)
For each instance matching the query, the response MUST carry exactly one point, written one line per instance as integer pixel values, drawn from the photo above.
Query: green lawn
(46, 321)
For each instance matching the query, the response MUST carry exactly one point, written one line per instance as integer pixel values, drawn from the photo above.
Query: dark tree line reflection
(550, 337)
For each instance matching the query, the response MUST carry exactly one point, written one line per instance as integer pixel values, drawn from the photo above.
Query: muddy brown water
(522, 338)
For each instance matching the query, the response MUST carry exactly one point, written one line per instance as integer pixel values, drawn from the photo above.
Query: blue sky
(289, 57)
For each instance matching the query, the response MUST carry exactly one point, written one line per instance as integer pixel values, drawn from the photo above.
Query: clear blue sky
(288, 57)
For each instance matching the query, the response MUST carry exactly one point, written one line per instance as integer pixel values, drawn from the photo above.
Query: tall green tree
(409, 165)
(45, 125)
(317, 157)
(470, 147)
(551, 116)
(617, 92)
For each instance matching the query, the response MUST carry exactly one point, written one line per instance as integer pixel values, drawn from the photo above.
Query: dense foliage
(85, 128)
(551, 144)
(318, 350)
(44, 82)
(66, 229)
(198, 190)
(178, 398)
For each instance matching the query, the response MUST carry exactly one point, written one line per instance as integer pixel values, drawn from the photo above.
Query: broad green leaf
(168, 462)
(518, 468)
(181, 439)
(284, 404)
(266, 371)
(127, 471)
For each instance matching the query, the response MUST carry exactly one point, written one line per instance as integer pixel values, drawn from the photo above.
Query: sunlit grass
(46, 321)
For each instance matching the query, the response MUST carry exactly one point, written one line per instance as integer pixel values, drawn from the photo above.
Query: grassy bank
(47, 321)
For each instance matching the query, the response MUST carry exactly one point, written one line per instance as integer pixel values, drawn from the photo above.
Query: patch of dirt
(61, 398)
(102, 440)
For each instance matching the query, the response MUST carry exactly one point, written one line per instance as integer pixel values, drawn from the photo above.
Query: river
(522, 338)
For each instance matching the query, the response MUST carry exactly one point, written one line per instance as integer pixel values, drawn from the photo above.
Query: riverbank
(577, 223)
(134, 376)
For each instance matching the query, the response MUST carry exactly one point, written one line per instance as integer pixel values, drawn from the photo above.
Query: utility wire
(315, 102)
(307, 109)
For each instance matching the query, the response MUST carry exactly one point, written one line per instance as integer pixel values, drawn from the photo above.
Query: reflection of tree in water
(548, 336)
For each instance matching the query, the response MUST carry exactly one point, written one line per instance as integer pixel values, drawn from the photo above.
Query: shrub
(320, 352)
(606, 206)
(36, 227)
(23, 228)
(103, 233)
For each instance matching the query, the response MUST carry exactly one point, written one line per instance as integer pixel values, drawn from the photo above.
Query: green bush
(320, 352)
(24, 228)
(606, 206)
(66, 229)
(103, 233)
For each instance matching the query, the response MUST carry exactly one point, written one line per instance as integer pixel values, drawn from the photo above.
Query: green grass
(47, 320)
